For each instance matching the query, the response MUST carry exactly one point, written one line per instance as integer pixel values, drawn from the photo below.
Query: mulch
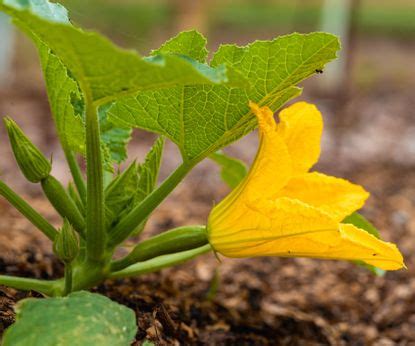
(263, 301)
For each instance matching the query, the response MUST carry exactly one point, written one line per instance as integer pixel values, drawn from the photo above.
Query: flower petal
(272, 166)
(270, 171)
(301, 126)
(338, 197)
(291, 228)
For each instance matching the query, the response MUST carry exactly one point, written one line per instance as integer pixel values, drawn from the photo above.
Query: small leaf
(148, 171)
(133, 185)
(360, 221)
(80, 319)
(232, 170)
(148, 174)
(120, 193)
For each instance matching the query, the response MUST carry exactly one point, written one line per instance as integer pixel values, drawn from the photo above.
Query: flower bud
(66, 245)
(33, 164)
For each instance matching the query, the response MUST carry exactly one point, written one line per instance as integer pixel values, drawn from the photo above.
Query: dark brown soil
(267, 301)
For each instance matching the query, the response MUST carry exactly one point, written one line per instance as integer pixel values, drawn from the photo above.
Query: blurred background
(368, 102)
(366, 95)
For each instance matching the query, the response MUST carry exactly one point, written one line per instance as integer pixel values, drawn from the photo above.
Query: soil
(263, 301)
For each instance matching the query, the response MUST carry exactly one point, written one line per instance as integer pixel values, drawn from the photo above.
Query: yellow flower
(280, 209)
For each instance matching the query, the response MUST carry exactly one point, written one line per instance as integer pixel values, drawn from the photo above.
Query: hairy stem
(32, 215)
(95, 221)
(160, 262)
(76, 174)
(134, 218)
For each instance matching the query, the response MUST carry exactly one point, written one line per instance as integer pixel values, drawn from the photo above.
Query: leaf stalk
(95, 217)
(31, 214)
(76, 174)
(45, 287)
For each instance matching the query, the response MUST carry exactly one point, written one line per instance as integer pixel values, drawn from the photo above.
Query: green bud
(173, 241)
(66, 245)
(63, 203)
(33, 164)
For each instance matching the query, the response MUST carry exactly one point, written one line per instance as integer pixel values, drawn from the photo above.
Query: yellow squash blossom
(281, 209)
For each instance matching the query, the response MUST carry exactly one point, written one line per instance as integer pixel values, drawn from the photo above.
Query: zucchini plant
(99, 92)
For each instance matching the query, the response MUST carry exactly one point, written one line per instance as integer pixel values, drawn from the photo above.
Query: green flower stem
(134, 218)
(46, 287)
(172, 241)
(76, 174)
(32, 215)
(160, 262)
(68, 279)
(95, 217)
(63, 203)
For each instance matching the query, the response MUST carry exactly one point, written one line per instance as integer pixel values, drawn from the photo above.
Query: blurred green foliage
(132, 22)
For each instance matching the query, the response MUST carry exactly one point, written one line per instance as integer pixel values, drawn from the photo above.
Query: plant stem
(127, 224)
(95, 217)
(160, 262)
(32, 215)
(88, 274)
(76, 174)
(68, 279)
(46, 287)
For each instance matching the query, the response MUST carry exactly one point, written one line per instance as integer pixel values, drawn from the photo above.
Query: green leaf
(104, 71)
(120, 193)
(63, 92)
(67, 108)
(80, 319)
(114, 138)
(133, 185)
(360, 221)
(148, 174)
(232, 170)
(189, 43)
(201, 119)
(149, 170)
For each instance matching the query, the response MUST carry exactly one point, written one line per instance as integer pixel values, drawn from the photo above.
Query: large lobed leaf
(103, 70)
(201, 119)
(80, 319)
(79, 65)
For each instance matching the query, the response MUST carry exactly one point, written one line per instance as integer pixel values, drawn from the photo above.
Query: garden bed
(264, 301)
